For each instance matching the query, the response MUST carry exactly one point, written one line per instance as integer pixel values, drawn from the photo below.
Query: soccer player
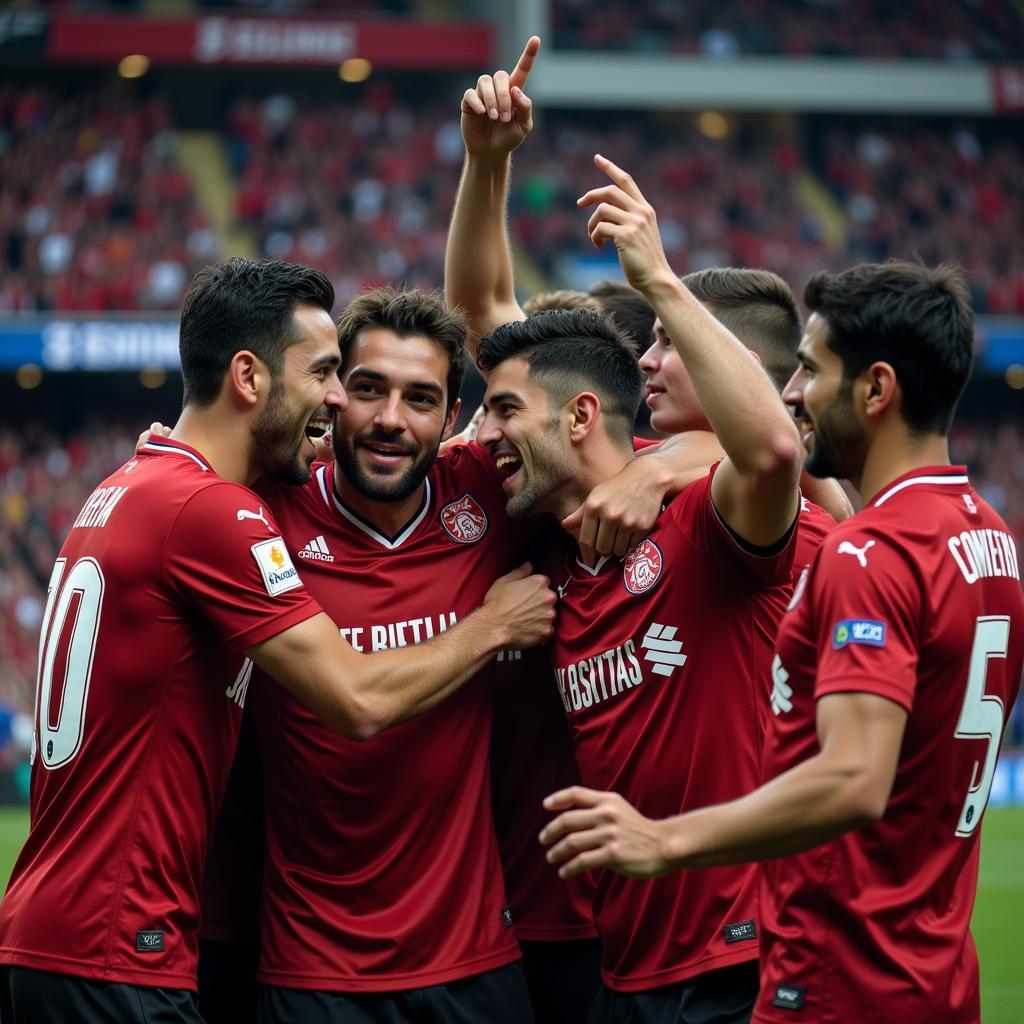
(173, 581)
(662, 658)
(389, 903)
(896, 666)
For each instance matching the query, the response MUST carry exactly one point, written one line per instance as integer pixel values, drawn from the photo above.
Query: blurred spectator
(980, 30)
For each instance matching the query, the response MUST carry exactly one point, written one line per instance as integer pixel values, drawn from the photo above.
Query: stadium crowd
(96, 213)
(987, 30)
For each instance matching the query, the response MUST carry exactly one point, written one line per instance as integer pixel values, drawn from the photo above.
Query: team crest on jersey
(464, 520)
(642, 567)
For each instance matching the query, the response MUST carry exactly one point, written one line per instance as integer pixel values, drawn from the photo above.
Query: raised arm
(359, 695)
(755, 489)
(496, 118)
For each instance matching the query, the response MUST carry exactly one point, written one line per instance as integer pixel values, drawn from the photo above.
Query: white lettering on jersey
(389, 636)
(663, 650)
(97, 509)
(316, 550)
(604, 675)
(782, 692)
(861, 554)
(240, 687)
(980, 554)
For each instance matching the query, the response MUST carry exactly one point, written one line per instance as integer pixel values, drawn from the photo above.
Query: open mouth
(508, 465)
(383, 453)
(318, 427)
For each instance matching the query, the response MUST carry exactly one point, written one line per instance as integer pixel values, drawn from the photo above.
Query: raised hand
(628, 220)
(498, 115)
(154, 428)
(524, 605)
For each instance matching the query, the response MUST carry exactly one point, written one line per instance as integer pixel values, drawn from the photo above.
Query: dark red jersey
(531, 757)
(382, 869)
(662, 662)
(916, 599)
(815, 524)
(168, 574)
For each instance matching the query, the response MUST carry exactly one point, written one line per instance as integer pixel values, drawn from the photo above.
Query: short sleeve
(867, 603)
(694, 514)
(225, 555)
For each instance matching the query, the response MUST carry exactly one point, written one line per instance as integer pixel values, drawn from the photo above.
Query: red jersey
(532, 756)
(662, 662)
(168, 574)
(384, 874)
(815, 525)
(917, 599)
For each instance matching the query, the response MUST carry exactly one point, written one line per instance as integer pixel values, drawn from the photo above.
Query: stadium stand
(986, 30)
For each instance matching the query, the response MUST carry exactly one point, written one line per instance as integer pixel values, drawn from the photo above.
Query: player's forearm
(737, 396)
(828, 494)
(681, 459)
(478, 264)
(807, 806)
(393, 686)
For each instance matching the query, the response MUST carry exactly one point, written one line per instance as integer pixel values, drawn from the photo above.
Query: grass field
(997, 916)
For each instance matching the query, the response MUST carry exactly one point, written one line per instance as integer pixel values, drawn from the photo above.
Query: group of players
(756, 743)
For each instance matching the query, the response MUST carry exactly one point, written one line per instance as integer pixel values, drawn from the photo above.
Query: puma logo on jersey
(861, 554)
(663, 650)
(244, 513)
(782, 692)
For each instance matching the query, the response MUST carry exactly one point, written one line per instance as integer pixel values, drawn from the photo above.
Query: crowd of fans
(987, 30)
(95, 211)
(97, 214)
(45, 479)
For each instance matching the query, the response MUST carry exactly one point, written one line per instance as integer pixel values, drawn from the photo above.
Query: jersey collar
(923, 476)
(157, 445)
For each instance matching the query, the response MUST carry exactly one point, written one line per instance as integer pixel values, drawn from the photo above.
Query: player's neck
(894, 456)
(387, 517)
(223, 441)
(595, 467)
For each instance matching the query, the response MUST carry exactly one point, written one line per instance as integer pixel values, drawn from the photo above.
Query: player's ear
(582, 413)
(247, 378)
(449, 423)
(880, 388)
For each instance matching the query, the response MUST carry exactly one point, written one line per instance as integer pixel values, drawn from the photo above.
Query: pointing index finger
(621, 178)
(525, 65)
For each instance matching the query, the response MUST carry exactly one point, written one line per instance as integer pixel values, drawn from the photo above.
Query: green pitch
(997, 916)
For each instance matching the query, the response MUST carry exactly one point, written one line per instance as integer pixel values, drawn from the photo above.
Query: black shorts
(495, 997)
(725, 996)
(39, 997)
(227, 981)
(563, 979)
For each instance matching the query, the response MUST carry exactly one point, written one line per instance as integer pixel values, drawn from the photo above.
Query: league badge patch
(464, 520)
(642, 567)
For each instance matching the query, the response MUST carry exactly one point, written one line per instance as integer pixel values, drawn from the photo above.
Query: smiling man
(388, 902)
(896, 666)
(653, 651)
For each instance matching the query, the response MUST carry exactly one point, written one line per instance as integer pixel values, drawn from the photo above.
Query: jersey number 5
(981, 716)
(71, 625)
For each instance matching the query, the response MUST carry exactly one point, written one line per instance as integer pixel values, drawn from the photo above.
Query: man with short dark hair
(173, 582)
(896, 666)
(631, 312)
(653, 650)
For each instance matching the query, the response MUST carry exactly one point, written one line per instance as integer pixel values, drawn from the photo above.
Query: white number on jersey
(981, 716)
(71, 624)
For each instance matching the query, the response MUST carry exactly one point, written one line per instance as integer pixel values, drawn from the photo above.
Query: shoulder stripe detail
(387, 542)
(170, 449)
(958, 480)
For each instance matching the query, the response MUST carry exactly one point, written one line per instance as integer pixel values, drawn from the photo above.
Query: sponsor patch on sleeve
(279, 575)
(869, 632)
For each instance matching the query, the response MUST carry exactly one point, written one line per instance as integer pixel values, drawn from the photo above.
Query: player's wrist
(492, 628)
(662, 285)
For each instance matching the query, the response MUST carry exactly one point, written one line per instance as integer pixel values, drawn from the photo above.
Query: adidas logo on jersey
(316, 550)
(663, 650)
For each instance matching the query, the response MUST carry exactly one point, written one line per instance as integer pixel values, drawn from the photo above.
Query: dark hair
(759, 308)
(562, 298)
(409, 314)
(243, 304)
(916, 318)
(574, 350)
(629, 309)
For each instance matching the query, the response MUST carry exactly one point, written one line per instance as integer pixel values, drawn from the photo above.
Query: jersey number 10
(67, 643)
